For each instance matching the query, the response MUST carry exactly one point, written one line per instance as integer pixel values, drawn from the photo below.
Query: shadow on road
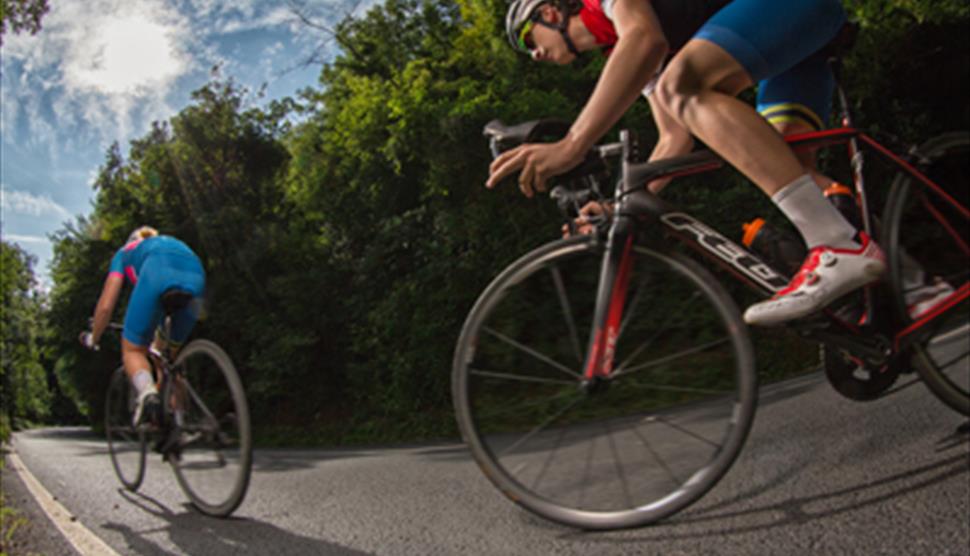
(194, 533)
(793, 511)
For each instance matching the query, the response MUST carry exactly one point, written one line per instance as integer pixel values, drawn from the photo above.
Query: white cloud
(131, 54)
(249, 21)
(93, 65)
(25, 203)
(26, 239)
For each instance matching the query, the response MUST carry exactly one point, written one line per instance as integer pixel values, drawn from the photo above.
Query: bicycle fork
(610, 298)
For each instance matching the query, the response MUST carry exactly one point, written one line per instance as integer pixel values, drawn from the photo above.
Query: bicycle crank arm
(876, 350)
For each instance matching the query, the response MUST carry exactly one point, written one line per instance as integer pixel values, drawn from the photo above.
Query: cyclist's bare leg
(699, 89)
(134, 357)
(139, 371)
(807, 156)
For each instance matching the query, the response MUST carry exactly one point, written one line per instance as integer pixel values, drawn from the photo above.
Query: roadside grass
(13, 526)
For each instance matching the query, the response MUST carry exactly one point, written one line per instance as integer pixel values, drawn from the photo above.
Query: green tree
(22, 15)
(25, 396)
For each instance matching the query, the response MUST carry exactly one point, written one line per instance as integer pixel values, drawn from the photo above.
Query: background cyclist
(712, 50)
(154, 264)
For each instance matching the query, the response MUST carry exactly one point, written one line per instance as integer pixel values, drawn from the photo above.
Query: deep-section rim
(937, 382)
(700, 482)
(224, 363)
(119, 377)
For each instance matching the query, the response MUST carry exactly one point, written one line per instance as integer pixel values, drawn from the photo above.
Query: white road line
(83, 540)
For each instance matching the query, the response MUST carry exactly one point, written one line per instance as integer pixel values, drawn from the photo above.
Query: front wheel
(620, 452)
(213, 454)
(927, 241)
(126, 443)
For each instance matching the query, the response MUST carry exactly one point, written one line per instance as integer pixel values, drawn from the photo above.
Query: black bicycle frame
(634, 203)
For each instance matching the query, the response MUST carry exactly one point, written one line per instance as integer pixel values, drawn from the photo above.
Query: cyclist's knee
(795, 127)
(676, 89)
(129, 347)
(681, 87)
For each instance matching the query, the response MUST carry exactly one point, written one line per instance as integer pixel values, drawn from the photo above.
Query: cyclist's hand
(87, 340)
(589, 216)
(537, 161)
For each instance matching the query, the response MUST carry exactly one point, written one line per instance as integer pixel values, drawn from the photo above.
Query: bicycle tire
(922, 251)
(213, 462)
(574, 266)
(127, 445)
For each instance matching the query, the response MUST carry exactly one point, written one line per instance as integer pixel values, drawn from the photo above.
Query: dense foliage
(25, 396)
(343, 251)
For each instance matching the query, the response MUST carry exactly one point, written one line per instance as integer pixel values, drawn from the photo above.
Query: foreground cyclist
(720, 49)
(154, 264)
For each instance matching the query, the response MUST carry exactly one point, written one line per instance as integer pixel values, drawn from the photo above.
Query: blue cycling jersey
(154, 266)
(128, 260)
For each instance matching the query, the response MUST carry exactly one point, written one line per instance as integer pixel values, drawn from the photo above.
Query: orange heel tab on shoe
(838, 189)
(751, 230)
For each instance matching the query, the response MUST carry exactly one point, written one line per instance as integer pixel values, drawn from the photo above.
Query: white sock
(143, 381)
(819, 222)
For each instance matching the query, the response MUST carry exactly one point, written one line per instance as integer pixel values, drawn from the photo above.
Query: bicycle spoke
(660, 419)
(586, 469)
(568, 312)
(630, 311)
(533, 353)
(945, 222)
(660, 461)
(619, 465)
(670, 358)
(951, 362)
(199, 403)
(520, 378)
(668, 388)
(542, 426)
(548, 460)
(506, 409)
(666, 325)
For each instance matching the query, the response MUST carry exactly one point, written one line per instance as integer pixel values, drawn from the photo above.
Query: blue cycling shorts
(160, 273)
(777, 42)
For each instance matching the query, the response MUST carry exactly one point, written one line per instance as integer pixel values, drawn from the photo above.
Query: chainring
(854, 379)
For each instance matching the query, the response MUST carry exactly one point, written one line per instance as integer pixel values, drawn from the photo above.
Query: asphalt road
(819, 475)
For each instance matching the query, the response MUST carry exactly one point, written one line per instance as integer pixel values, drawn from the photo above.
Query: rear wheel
(212, 457)
(621, 452)
(126, 444)
(927, 236)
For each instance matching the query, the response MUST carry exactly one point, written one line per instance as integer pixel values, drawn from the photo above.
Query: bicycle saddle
(173, 300)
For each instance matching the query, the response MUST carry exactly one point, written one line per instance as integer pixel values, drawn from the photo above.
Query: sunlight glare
(128, 56)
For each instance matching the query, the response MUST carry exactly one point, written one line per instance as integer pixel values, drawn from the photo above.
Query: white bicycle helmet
(523, 11)
(141, 233)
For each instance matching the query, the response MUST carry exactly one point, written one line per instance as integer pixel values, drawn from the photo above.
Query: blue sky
(102, 70)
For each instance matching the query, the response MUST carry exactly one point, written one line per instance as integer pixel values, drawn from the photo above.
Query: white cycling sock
(819, 222)
(142, 381)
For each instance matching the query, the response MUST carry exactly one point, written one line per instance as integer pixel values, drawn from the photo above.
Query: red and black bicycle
(621, 408)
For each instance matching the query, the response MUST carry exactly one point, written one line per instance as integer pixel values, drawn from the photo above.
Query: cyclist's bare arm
(640, 49)
(106, 305)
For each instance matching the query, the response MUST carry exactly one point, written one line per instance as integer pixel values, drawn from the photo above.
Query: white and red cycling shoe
(827, 274)
(920, 300)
